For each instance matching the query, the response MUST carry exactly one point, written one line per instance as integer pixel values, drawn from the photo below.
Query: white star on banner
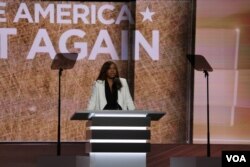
(147, 15)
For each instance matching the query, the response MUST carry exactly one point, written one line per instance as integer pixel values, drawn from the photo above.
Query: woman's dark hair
(103, 74)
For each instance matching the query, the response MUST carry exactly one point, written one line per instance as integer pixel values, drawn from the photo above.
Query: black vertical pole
(59, 114)
(208, 129)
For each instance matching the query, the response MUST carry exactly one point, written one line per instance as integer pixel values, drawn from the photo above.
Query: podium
(118, 138)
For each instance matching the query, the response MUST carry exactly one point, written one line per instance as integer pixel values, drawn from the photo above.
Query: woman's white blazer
(98, 99)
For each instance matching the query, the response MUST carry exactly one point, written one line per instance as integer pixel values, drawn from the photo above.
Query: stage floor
(26, 154)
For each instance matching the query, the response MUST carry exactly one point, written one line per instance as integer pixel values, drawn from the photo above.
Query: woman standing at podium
(110, 92)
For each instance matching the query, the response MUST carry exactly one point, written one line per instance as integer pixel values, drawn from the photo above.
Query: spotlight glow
(117, 115)
(117, 128)
(120, 115)
(116, 141)
(117, 153)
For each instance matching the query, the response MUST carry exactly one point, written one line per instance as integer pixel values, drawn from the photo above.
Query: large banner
(147, 39)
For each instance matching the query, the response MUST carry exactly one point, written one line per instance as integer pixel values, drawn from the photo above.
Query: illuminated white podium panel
(118, 138)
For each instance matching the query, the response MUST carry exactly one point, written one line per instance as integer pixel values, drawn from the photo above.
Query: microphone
(117, 83)
(116, 79)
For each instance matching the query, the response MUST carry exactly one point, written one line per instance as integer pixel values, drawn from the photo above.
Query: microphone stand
(208, 129)
(62, 61)
(59, 113)
(200, 63)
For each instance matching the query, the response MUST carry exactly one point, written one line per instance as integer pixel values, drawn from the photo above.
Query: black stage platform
(26, 154)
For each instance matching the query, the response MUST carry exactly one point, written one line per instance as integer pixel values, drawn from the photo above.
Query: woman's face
(111, 73)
